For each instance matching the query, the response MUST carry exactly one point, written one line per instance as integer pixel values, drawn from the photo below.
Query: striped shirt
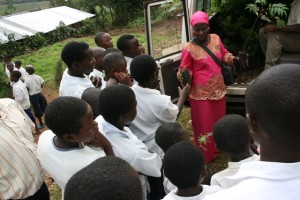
(21, 174)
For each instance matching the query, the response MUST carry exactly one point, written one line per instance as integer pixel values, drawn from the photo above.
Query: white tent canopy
(42, 21)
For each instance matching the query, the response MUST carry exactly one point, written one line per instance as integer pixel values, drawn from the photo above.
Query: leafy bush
(4, 89)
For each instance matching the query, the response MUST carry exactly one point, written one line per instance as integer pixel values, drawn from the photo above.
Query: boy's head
(78, 57)
(107, 178)
(231, 134)
(18, 64)
(15, 76)
(90, 95)
(71, 119)
(30, 69)
(111, 50)
(98, 55)
(169, 134)
(10, 66)
(104, 40)
(143, 69)
(7, 58)
(184, 165)
(114, 62)
(273, 111)
(129, 45)
(117, 103)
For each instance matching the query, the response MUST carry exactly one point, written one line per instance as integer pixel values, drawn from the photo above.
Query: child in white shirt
(184, 166)
(117, 107)
(231, 135)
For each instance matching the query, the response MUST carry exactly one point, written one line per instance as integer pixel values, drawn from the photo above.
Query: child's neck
(119, 125)
(60, 143)
(190, 192)
(239, 156)
(76, 74)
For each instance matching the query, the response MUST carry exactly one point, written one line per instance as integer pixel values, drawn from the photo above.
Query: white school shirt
(264, 181)
(294, 16)
(73, 86)
(34, 84)
(128, 60)
(97, 73)
(21, 94)
(153, 109)
(23, 72)
(221, 178)
(21, 174)
(128, 147)
(206, 191)
(62, 164)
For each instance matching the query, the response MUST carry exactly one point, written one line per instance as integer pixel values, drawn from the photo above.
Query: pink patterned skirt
(205, 113)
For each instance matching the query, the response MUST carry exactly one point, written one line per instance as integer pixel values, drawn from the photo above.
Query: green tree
(10, 7)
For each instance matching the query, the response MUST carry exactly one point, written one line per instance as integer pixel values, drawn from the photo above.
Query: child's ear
(203, 174)
(252, 124)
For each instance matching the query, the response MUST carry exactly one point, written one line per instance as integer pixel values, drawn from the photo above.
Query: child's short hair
(74, 51)
(231, 134)
(111, 50)
(112, 61)
(115, 101)
(169, 134)
(123, 42)
(183, 164)
(142, 68)
(16, 74)
(107, 178)
(30, 69)
(18, 63)
(90, 95)
(63, 115)
(98, 38)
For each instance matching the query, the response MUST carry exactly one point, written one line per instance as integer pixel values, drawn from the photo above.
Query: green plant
(267, 13)
(59, 69)
(4, 89)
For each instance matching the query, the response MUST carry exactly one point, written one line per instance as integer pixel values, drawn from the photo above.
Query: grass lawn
(23, 7)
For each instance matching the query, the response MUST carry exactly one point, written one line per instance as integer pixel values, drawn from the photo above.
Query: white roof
(39, 21)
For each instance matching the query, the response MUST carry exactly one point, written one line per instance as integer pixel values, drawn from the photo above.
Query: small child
(184, 166)
(79, 59)
(114, 66)
(153, 108)
(166, 136)
(104, 40)
(34, 83)
(117, 107)
(130, 48)
(73, 141)
(18, 66)
(20, 94)
(231, 135)
(107, 178)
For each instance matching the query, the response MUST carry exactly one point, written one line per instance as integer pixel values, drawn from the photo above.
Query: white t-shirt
(153, 109)
(62, 164)
(97, 73)
(23, 72)
(221, 178)
(206, 190)
(294, 16)
(128, 60)
(73, 86)
(21, 94)
(264, 181)
(128, 147)
(34, 84)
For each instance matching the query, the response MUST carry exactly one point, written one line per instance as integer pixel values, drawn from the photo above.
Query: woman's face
(201, 31)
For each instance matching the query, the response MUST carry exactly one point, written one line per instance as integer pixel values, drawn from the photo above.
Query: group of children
(26, 89)
(122, 141)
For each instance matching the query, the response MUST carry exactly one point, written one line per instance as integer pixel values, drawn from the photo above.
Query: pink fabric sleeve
(227, 57)
(186, 62)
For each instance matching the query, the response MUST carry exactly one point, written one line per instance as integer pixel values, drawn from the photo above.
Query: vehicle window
(167, 32)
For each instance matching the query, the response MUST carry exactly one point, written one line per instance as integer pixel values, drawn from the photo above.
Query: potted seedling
(271, 13)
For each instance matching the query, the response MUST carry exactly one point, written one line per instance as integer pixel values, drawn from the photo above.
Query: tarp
(42, 21)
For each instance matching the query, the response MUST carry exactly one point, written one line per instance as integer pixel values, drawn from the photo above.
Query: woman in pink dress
(207, 98)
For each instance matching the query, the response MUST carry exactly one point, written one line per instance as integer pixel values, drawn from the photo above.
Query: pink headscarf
(199, 17)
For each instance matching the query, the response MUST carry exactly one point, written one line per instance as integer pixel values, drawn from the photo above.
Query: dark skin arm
(292, 29)
(183, 94)
(102, 141)
(96, 81)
